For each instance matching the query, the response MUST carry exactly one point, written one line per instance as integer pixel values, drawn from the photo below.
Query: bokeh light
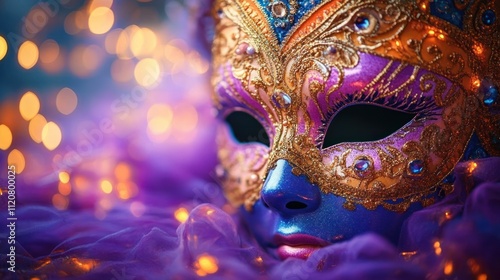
(123, 172)
(186, 117)
(66, 101)
(84, 60)
(17, 159)
(27, 55)
(122, 48)
(60, 201)
(51, 56)
(75, 22)
(3, 47)
(29, 105)
(64, 177)
(160, 118)
(112, 40)
(36, 126)
(181, 214)
(143, 42)
(101, 20)
(126, 190)
(6, 137)
(137, 208)
(94, 4)
(106, 186)
(95, 114)
(122, 70)
(51, 136)
(49, 51)
(147, 72)
(64, 188)
(206, 264)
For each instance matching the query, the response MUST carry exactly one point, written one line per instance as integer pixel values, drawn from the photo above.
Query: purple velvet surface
(157, 246)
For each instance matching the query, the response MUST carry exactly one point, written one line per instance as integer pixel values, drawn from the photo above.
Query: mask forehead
(339, 53)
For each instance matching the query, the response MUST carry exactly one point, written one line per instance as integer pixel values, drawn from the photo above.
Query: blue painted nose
(289, 194)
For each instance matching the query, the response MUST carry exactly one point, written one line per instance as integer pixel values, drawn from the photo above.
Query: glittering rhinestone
(489, 17)
(362, 165)
(416, 166)
(362, 23)
(281, 99)
(278, 9)
(220, 13)
(330, 50)
(489, 91)
(250, 50)
(221, 172)
(253, 179)
(241, 49)
(490, 96)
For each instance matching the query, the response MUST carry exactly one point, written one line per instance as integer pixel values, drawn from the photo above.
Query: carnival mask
(344, 117)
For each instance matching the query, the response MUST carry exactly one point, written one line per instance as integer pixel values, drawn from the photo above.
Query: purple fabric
(157, 246)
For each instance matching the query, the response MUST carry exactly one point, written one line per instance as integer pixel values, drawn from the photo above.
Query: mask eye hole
(364, 123)
(247, 129)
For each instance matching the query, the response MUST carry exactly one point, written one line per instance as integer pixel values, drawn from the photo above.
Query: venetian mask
(344, 117)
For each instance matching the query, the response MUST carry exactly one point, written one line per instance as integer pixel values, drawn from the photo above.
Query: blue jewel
(362, 165)
(416, 166)
(489, 17)
(490, 96)
(362, 23)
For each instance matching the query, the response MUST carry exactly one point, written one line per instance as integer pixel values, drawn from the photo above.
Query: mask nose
(289, 194)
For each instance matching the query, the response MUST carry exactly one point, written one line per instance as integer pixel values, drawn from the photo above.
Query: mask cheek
(241, 168)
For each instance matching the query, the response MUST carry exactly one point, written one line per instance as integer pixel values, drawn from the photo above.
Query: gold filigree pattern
(430, 67)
